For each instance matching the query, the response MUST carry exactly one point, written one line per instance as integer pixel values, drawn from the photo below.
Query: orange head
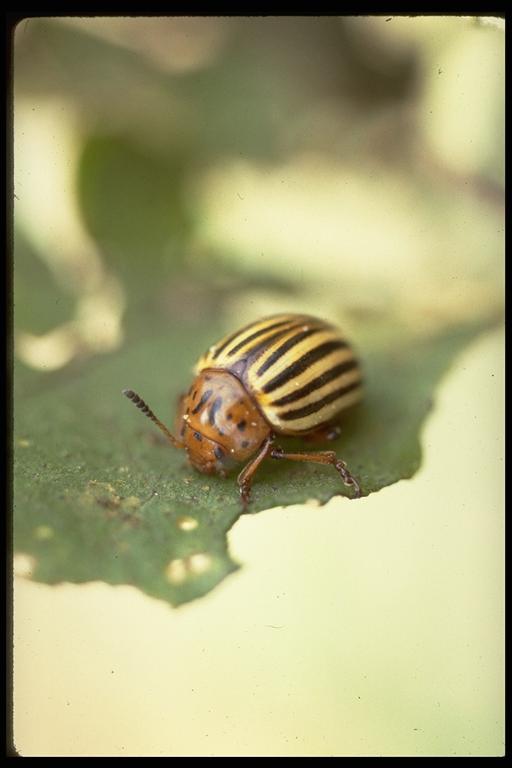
(218, 423)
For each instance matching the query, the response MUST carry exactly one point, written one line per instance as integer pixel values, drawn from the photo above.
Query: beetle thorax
(219, 423)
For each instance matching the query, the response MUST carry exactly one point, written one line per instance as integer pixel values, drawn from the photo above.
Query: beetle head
(219, 422)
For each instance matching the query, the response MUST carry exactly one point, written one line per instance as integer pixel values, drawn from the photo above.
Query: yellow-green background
(197, 173)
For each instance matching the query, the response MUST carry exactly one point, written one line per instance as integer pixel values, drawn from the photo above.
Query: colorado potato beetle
(283, 375)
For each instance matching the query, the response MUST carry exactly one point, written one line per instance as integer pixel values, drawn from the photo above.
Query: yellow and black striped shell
(300, 370)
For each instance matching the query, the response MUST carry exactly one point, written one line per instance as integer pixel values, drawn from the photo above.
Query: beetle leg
(246, 475)
(322, 457)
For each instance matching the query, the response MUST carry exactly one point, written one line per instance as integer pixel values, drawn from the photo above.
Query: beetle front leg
(246, 475)
(322, 457)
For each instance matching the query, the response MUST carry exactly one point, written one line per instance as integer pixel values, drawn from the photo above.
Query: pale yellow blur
(367, 628)
(464, 102)
(357, 236)
(47, 140)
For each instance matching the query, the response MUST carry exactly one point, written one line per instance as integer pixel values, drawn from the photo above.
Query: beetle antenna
(146, 410)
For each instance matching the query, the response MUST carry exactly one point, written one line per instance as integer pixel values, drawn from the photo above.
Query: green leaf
(38, 311)
(99, 496)
(132, 202)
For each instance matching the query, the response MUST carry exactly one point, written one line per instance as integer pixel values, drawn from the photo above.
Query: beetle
(287, 374)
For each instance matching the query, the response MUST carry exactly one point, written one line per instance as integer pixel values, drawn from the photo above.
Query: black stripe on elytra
(299, 413)
(303, 363)
(204, 397)
(217, 403)
(255, 335)
(233, 336)
(280, 351)
(320, 381)
(253, 352)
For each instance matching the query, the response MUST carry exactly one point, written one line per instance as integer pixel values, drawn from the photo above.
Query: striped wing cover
(300, 369)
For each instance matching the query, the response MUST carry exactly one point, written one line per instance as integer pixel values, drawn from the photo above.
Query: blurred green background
(176, 178)
(165, 166)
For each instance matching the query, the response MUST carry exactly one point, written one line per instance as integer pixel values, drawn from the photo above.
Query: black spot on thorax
(216, 405)
(204, 397)
(219, 453)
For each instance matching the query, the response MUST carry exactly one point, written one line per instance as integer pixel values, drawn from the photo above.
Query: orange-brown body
(219, 423)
